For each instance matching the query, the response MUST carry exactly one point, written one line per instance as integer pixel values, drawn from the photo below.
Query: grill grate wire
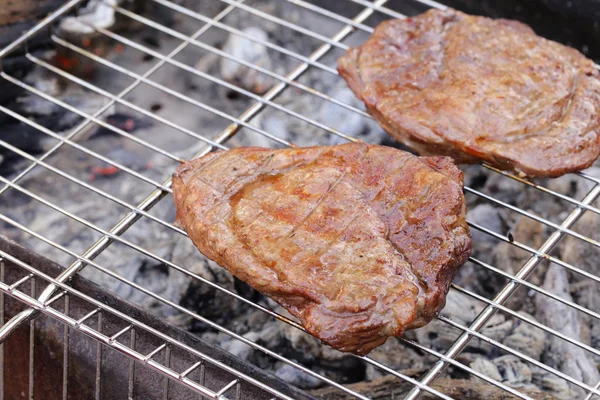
(57, 286)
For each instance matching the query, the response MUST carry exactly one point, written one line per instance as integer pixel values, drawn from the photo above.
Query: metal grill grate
(320, 59)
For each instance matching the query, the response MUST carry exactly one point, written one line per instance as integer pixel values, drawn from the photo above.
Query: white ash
(97, 13)
(74, 95)
(244, 20)
(510, 258)
(526, 338)
(585, 256)
(345, 121)
(552, 384)
(250, 51)
(462, 309)
(474, 277)
(487, 216)
(567, 358)
(295, 377)
(279, 123)
(397, 355)
(239, 348)
(294, 344)
(302, 133)
(487, 368)
(514, 371)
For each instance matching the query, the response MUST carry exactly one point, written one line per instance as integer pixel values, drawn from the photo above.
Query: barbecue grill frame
(84, 319)
(261, 102)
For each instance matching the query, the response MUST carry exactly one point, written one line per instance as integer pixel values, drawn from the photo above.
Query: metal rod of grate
(261, 102)
(84, 325)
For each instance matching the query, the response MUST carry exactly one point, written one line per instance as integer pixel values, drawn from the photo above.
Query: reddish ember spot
(86, 42)
(99, 51)
(66, 63)
(119, 48)
(105, 171)
(129, 125)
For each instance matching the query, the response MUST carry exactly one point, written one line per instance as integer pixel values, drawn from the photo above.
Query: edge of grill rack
(119, 319)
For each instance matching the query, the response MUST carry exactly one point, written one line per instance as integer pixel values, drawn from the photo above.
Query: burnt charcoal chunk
(360, 242)
(480, 89)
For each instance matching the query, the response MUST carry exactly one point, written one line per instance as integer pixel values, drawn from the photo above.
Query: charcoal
(568, 358)
(585, 256)
(350, 123)
(389, 388)
(487, 216)
(397, 355)
(304, 134)
(295, 377)
(526, 338)
(514, 370)
(551, 383)
(96, 13)
(487, 368)
(251, 52)
(462, 309)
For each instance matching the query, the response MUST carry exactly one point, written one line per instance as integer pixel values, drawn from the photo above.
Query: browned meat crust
(360, 242)
(479, 89)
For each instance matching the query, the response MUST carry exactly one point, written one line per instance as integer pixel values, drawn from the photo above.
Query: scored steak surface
(359, 242)
(479, 89)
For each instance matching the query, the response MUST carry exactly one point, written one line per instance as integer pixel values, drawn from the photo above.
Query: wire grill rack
(58, 289)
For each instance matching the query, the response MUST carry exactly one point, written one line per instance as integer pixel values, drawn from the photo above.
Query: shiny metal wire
(82, 325)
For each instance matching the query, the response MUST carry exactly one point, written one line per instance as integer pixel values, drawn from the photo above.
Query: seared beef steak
(360, 242)
(479, 89)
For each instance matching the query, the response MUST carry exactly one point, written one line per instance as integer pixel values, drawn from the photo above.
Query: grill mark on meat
(417, 279)
(478, 89)
(511, 137)
(349, 302)
(259, 215)
(187, 167)
(251, 176)
(342, 231)
(421, 284)
(414, 276)
(226, 196)
(567, 109)
(319, 201)
(261, 176)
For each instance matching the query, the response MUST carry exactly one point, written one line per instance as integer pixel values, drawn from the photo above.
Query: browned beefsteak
(479, 89)
(360, 242)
